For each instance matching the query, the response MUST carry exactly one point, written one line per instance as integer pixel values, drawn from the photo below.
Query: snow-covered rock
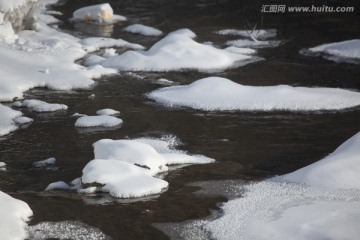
(94, 43)
(101, 13)
(98, 121)
(57, 185)
(14, 215)
(107, 111)
(40, 106)
(2, 166)
(346, 51)
(174, 52)
(143, 30)
(221, 94)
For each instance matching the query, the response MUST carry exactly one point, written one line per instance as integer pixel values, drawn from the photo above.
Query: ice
(73, 230)
(57, 185)
(44, 163)
(244, 43)
(40, 106)
(22, 120)
(7, 117)
(261, 34)
(108, 111)
(316, 202)
(338, 170)
(174, 52)
(101, 13)
(14, 215)
(143, 30)
(2, 166)
(98, 121)
(346, 51)
(221, 94)
(122, 179)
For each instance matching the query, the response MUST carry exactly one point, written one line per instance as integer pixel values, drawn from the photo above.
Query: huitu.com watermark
(305, 9)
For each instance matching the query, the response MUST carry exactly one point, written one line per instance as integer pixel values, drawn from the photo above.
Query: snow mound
(65, 230)
(221, 94)
(7, 117)
(143, 30)
(13, 217)
(95, 43)
(57, 185)
(107, 111)
(98, 121)
(253, 34)
(40, 106)
(44, 163)
(338, 170)
(176, 51)
(122, 179)
(101, 13)
(346, 51)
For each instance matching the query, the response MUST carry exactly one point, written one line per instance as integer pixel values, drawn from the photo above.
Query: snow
(107, 111)
(73, 230)
(174, 52)
(98, 121)
(2, 166)
(110, 52)
(22, 120)
(40, 106)
(338, 170)
(253, 34)
(7, 116)
(244, 43)
(44, 163)
(221, 94)
(101, 13)
(57, 185)
(14, 215)
(143, 30)
(122, 179)
(339, 51)
(316, 202)
(95, 43)
(7, 6)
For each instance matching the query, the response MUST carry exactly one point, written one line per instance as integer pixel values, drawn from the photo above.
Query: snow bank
(321, 202)
(347, 51)
(40, 106)
(174, 52)
(101, 13)
(107, 111)
(253, 34)
(13, 217)
(215, 93)
(44, 163)
(65, 230)
(98, 121)
(339, 170)
(143, 30)
(7, 119)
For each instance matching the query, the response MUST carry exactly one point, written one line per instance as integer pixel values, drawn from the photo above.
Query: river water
(246, 145)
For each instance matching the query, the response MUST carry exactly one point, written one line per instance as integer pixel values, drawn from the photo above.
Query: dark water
(246, 145)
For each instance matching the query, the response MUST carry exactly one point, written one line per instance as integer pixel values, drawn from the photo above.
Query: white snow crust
(107, 111)
(40, 106)
(44, 163)
(143, 30)
(7, 119)
(101, 13)
(98, 121)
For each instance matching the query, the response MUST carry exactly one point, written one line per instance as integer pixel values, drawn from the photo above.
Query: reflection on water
(94, 29)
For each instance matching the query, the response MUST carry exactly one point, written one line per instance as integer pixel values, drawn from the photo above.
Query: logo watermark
(305, 9)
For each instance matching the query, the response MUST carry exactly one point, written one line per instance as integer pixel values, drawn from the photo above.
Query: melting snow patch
(101, 13)
(65, 230)
(98, 121)
(22, 120)
(174, 52)
(107, 111)
(346, 51)
(44, 163)
(7, 116)
(40, 106)
(13, 217)
(244, 43)
(221, 94)
(253, 34)
(143, 30)
(57, 185)
(2, 166)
